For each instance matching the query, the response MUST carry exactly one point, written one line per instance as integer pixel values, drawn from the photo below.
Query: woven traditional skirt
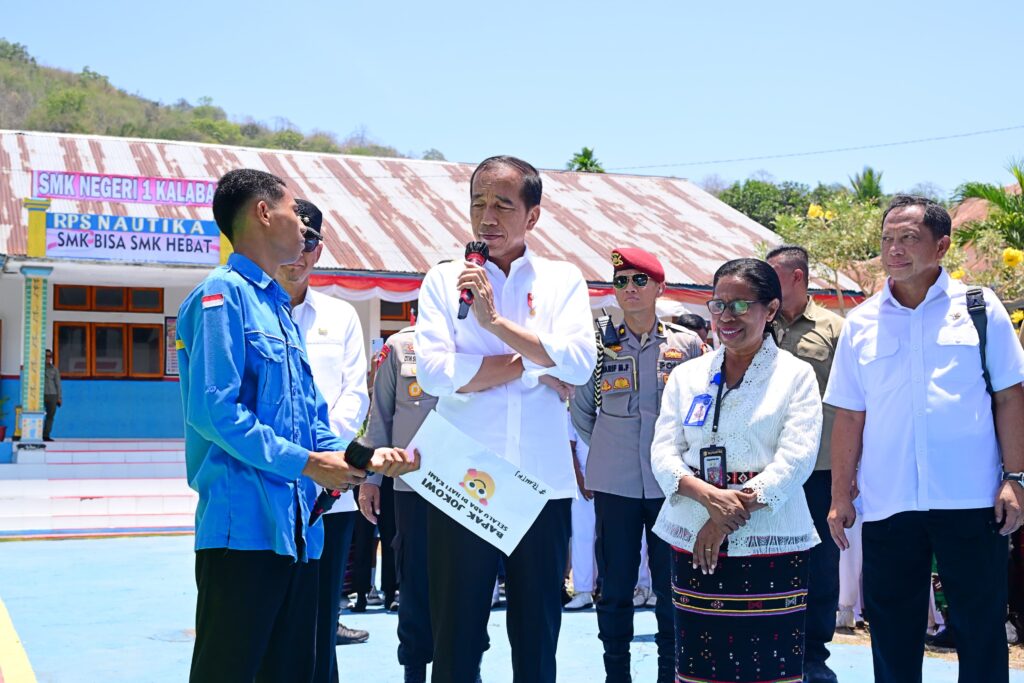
(742, 624)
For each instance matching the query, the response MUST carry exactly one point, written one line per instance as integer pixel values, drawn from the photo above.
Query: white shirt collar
(941, 286)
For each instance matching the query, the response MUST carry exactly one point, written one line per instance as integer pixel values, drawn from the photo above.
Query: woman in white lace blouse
(736, 439)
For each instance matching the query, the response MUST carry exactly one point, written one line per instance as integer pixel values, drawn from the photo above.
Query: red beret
(632, 258)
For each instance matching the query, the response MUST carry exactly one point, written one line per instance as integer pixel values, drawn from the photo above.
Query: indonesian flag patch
(213, 300)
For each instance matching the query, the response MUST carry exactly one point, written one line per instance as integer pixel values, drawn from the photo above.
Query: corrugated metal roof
(403, 215)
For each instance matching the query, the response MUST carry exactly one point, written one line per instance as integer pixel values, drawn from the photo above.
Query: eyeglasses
(736, 307)
(309, 241)
(639, 279)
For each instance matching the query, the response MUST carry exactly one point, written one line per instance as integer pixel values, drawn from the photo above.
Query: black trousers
(337, 541)
(415, 640)
(972, 559)
(823, 566)
(463, 568)
(255, 617)
(50, 404)
(364, 545)
(621, 522)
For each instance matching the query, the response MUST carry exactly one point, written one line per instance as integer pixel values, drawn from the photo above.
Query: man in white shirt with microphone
(502, 376)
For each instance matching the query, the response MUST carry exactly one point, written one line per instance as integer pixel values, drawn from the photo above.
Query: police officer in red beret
(632, 369)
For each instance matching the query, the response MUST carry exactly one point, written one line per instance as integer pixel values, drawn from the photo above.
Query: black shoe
(391, 602)
(416, 673)
(351, 636)
(360, 605)
(818, 672)
(943, 639)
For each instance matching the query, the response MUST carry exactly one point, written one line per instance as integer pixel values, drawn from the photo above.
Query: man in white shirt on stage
(337, 356)
(502, 376)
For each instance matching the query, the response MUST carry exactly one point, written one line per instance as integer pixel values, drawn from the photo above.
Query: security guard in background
(397, 410)
(633, 366)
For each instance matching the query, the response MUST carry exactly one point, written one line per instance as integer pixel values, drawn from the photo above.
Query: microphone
(356, 455)
(476, 252)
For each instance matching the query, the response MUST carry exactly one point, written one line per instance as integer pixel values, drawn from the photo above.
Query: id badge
(712, 466)
(698, 412)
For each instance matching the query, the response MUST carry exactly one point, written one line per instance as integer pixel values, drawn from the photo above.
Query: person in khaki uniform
(810, 332)
(398, 408)
(626, 386)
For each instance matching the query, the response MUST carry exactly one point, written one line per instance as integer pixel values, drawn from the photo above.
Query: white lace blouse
(770, 424)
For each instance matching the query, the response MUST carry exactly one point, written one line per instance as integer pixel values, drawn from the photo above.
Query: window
(109, 350)
(70, 298)
(146, 300)
(108, 299)
(72, 349)
(145, 355)
(394, 310)
(83, 298)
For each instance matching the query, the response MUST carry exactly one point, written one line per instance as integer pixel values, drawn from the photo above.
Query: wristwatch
(1014, 476)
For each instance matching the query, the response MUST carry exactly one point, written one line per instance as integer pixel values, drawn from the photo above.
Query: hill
(34, 97)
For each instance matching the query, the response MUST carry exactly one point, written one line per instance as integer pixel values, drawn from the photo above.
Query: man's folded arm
(570, 343)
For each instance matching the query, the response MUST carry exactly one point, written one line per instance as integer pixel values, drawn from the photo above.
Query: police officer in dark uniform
(397, 410)
(633, 367)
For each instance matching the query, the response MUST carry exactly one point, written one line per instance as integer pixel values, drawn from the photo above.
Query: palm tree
(867, 186)
(1006, 209)
(585, 162)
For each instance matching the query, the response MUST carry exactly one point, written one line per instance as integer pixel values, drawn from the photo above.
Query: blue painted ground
(122, 609)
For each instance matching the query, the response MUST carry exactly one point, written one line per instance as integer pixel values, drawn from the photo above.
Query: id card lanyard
(722, 393)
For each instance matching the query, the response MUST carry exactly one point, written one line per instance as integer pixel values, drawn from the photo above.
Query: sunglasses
(639, 279)
(309, 241)
(736, 307)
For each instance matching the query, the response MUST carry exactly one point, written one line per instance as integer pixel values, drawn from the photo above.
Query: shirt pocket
(616, 388)
(812, 350)
(269, 366)
(881, 367)
(957, 356)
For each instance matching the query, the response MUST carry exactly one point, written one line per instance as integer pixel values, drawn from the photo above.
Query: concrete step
(69, 506)
(94, 470)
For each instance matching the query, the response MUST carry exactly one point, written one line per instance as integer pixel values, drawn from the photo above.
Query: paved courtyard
(121, 609)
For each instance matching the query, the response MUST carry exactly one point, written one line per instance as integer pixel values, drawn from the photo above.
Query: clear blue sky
(642, 82)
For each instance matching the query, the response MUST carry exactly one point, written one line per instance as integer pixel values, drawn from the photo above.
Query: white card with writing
(474, 486)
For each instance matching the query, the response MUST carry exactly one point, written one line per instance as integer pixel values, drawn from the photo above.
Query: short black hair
(236, 188)
(936, 218)
(532, 188)
(761, 277)
(690, 321)
(793, 256)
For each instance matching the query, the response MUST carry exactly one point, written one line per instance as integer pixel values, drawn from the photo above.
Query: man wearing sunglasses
(627, 386)
(334, 346)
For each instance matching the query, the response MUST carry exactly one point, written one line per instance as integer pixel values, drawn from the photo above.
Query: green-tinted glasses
(736, 307)
(639, 279)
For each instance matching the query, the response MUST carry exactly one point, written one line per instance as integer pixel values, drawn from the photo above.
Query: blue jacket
(252, 414)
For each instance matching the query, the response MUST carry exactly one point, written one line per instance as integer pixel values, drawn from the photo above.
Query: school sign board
(132, 238)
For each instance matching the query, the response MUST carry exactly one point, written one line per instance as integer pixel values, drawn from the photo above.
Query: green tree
(842, 235)
(62, 111)
(584, 161)
(1006, 210)
(762, 200)
(15, 52)
(433, 155)
(867, 186)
